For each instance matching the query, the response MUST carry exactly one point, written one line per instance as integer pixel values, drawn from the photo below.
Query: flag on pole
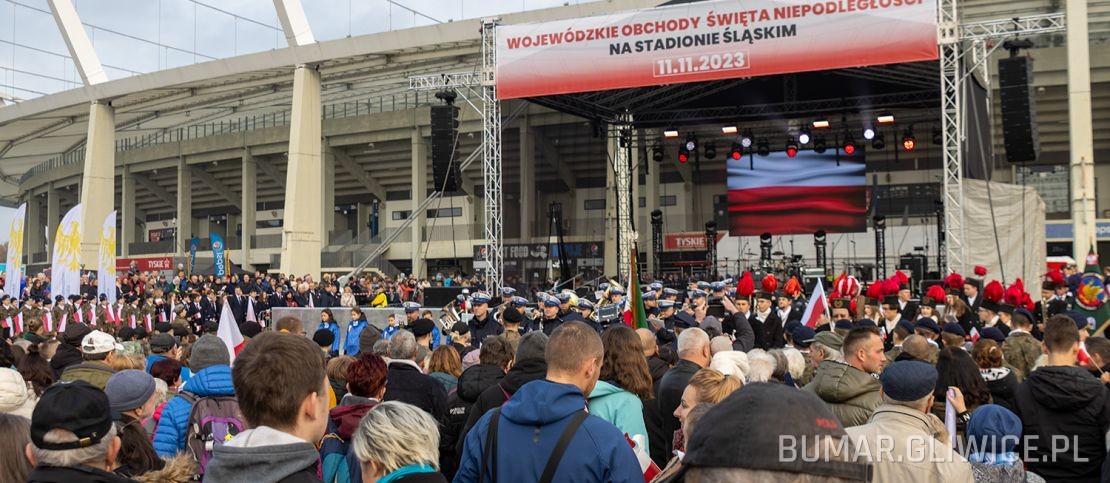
(14, 275)
(49, 319)
(228, 331)
(251, 317)
(147, 319)
(78, 315)
(132, 321)
(62, 323)
(817, 305)
(18, 322)
(92, 316)
(638, 319)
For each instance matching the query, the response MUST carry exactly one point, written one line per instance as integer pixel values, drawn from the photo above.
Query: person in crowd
(407, 381)
(324, 339)
(132, 399)
(396, 443)
(460, 339)
(328, 323)
(706, 386)
(35, 369)
(732, 363)
(993, 433)
(739, 440)
(365, 378)
(15, 397)
(527, 429)
(211, 361)
(1001, 381)
(494, 360)
(424, 331)
(902, 330)
(483, 323)
(905, 424)
(1058, 400)
(72, 436)
(68, 352)
(355, 328)
(286, 419)
(337, 374)
(624, 386)
(672, 468)
(761, 366)
(956, 368)
(14, 465)
(848, 386)
(445, 366)
(99, 352)
(529, 364)
(694, 354)
(656, 365)
(1021, 349)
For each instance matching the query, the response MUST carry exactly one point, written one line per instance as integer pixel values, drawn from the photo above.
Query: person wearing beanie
(250, 329)
(69, 351)
(993, 433)
(324, 338)
(131, 397)
(164, 346)
(369, 336)
(210, 363)
(904, 424)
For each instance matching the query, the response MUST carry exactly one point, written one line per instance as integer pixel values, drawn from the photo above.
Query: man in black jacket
(1062, 400)
(694, 354)
(73, 418)
(495, 358)
(529, 365)
(407, 381)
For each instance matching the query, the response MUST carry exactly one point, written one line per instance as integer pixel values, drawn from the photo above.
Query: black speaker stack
(445, 130)
(1019, 129)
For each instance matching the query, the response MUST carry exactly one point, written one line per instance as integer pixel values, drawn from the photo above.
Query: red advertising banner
(689, 241)
(145, 264)
(704, 41)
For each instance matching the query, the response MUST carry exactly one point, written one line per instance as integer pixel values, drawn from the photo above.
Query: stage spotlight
(791, 148)
(710, 151)
(691, 142)
(737, 152)
(729, 130)
(657, 153)
(886, 118)
(908, 140)
(820, 124)
(683, 155)
(879, 142)
(849, 144)
(819, 145)
(803, 137)
(938, 138)
(670, 133)
(879, 221)
(868, 134)
(763, 149)
(746, 139)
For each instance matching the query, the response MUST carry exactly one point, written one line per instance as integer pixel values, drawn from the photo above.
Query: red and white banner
(781, 195)
(703, 41)
(687, 241)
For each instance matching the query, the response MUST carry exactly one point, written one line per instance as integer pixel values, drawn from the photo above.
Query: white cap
(466, 291)
(98, 342)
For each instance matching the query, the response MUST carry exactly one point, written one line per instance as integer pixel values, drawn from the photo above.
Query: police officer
(483, 323)
(551, 319)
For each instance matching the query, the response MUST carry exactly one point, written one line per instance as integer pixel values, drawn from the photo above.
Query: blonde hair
(713, 386)
(394, 434)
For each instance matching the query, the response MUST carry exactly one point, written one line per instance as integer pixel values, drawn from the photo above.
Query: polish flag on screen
(778, 194)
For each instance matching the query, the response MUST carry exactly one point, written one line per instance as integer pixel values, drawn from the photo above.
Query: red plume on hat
(792, 288)
(935, 292)
(746, 286)
(847, 285)
(993, 291)
(875, 290)
(1056, 277)
(769, 284)
(890, 286)
(954, 281)
(901, 277)
(1013, 294)
(980, 271)
(852, 305)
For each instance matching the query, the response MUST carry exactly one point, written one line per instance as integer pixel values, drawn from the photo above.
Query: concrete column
(1083, 211)
(362, 225)
(419, 193)
(129, 226)
(651, 198)
(527, 180)
(98, 178)
(300, 235)
(53, 217)
(250, 206)
(185, 229)
(327, 216)
(32, 229)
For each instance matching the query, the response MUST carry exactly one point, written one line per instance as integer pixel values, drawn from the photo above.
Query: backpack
(212, 422)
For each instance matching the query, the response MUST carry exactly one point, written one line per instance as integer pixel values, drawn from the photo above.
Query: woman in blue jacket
(354, 329)
(327, 321)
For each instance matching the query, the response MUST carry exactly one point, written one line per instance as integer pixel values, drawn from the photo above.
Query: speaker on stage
(1019, 129)
(445, 129)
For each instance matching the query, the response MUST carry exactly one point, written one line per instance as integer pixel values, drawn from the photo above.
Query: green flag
(639, 315)
(1090, 295)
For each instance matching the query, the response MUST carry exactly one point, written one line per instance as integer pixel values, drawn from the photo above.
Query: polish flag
(809, 192)
(161, 315)
(149, 323)
(647, 466)
(92, 316)
(77, 315)
(974, 335)
(49, 319)
(132, 321)
(817, 305)
(251, 317)
(1083, 357)
(119, 317)
(228, 331)
(8, 322)
(18, 322)
(62, 323)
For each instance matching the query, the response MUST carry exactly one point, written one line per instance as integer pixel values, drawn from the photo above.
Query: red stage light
(908, 143)
(850, 148)
(736, 155)
(683, 157)
(737, 152)
(791, 151)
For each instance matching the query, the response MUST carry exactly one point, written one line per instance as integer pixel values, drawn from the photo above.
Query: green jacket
(92, 372)
(1021, 350)
(850, 393)
(621, 408)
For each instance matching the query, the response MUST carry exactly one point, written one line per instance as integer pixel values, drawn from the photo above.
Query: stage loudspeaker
(1019, 131)
(445, 129)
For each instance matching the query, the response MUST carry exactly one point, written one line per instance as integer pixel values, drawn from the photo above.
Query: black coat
(78, 474)
(521, 373)
(772, 331)
(668, 395)
(740, 328)
(1002, 389)
(1070, 402)
(65, 356)
(473, 381)
(480, 329)
(407, 384)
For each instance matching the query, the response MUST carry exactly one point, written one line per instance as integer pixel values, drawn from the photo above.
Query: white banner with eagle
(14, 275)
(65, 267)
(106, 271)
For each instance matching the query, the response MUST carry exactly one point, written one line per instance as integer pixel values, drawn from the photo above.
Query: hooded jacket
(338, 462)
(902, 446)
(1067, 401)
(850, 393)
(530, 425)
(521, 373)
(620, 407)
(96, 373)
(354, 329)
(263, 454)
(169, 438)
(473, 381)
(1002, 383)
(65, 356)
(15, 397)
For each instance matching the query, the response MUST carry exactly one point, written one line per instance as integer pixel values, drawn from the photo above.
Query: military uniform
(1021, 350)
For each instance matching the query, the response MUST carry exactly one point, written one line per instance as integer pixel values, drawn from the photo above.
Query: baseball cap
(98, 342)
(75, 406)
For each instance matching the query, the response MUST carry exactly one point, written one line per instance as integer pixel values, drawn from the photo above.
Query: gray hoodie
(261, 454)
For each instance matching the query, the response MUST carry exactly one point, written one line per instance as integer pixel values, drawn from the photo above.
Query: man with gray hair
(407, 381)
(693, 354)
(72, 435)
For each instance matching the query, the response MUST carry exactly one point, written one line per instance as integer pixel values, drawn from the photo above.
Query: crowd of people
(970, 381)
